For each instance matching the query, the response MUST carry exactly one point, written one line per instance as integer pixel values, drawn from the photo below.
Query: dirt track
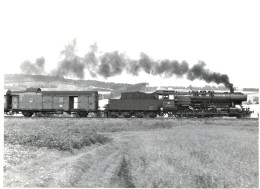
(94, 166)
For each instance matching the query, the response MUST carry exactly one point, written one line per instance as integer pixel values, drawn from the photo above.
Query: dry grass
(194, 156)
(168, 153)
(50, 134)
(17, 154)
(116, 125)
(27, 139)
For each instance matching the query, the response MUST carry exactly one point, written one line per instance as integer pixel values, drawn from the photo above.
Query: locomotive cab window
(166, 97)
(160, 97)
(171, 97)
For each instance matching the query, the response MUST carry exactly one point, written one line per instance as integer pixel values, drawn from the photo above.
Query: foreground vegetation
(195, 157)
(61, 137)
(22, 125)
(25, 139)
(159, 153)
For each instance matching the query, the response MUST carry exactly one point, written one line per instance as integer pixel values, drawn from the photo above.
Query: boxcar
(33, 100)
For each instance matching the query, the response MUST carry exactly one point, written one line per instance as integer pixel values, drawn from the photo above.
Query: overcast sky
(224, 34)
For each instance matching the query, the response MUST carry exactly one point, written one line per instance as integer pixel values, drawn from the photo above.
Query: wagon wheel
(114, 116)
(127, 116)
(170, 114)
(177, 115)
(27, 114)
(83, 114)
(200, 116)
(99, 114)
(152, 115)
(162, 114)
(10, 113)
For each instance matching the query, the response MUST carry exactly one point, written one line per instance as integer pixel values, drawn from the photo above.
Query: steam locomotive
(131, 104)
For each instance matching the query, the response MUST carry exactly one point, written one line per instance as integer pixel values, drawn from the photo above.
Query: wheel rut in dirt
(93, 166)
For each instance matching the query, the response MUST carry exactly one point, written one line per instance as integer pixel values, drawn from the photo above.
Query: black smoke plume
(199, 72)
(170, 68)
(33, 68)
(111, 64)
(91, 61)
(114, 63)
(164, 68)
(72, 64)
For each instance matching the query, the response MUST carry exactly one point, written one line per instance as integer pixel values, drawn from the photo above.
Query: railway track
(157, 118)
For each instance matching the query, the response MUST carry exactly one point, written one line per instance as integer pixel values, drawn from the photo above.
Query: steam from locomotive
(33, 68)
(114, 63)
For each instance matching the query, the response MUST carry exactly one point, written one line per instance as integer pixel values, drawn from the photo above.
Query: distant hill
(46, 82)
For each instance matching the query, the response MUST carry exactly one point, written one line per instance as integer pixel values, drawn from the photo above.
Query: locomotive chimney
(231, 90)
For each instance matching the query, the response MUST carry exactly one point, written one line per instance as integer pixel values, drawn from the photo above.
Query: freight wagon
(33, 100)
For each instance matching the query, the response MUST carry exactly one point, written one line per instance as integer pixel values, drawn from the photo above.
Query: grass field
(195, 156)
(194, 153)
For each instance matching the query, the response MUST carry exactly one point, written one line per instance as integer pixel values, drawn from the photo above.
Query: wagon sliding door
(73, 102)
(84, 102)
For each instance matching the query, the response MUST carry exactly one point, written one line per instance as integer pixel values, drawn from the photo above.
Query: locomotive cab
(167, 100)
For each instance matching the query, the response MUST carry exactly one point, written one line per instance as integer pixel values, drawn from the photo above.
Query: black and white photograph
(130, 93)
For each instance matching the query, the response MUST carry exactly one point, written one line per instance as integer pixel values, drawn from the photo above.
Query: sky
(224, 34)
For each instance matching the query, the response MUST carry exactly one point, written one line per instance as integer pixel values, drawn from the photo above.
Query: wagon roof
(33, 90)
(68, 92)
(7, 92)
